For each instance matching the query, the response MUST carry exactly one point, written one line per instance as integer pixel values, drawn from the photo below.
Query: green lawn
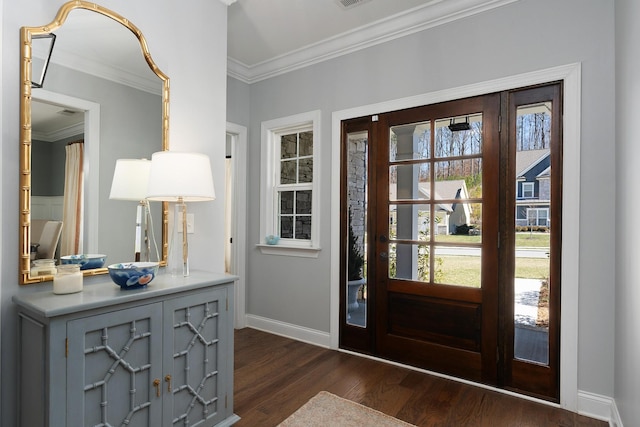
(537, 240)
(465, 270)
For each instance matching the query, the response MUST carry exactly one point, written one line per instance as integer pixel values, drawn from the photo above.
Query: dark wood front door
(430, 203)
(436, 234)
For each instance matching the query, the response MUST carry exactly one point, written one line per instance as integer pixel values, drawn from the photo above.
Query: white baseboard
(300, 333)
(589, 404)
(600, 407)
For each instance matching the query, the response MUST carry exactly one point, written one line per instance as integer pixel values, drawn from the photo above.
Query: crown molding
(57, 135)
(107, 71)
(432, 14)
(228, 2)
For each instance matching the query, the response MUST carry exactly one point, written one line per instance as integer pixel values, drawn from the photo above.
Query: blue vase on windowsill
(271, 239)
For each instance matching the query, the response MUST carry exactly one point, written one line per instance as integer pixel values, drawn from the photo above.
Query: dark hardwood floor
(274, 376)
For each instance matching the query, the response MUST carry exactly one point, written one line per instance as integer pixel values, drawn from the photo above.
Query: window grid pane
(458, 136)
(286, 227)
(288, 146)
(288, 171)
(296, 158)
(306, 144)
(286, 202)
(303, 227)
(305, 170)
(296, 176)
(295, 214)
(435, 202)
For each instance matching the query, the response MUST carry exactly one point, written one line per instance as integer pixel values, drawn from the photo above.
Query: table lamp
(130, 182)
(180, 177)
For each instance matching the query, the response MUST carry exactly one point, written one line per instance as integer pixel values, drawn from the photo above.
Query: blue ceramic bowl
(133, 275)
(86, 261)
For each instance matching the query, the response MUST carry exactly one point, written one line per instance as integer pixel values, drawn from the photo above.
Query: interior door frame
(571, 77)
(239, 224)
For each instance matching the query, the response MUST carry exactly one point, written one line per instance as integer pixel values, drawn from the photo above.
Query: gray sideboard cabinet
(158, 356)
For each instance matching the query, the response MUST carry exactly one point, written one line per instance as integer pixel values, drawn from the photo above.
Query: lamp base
(143, 240)
(178, 259)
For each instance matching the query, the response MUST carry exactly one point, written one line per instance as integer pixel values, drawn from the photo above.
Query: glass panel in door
(533, 232)
(357, 176)
(435, 201)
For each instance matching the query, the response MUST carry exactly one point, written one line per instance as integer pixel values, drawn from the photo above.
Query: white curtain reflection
(71, 242)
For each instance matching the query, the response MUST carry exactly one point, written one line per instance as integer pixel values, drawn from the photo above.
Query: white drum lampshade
(130, 179)
(130, 183)
(180, 177)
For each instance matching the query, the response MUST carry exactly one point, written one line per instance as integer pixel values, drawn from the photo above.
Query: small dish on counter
(133, 275)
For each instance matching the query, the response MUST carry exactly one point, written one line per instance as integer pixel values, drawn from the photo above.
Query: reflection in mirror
(103, 94)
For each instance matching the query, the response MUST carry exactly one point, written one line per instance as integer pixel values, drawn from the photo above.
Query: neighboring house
(449, 215)
(533, 192)
(452, 215)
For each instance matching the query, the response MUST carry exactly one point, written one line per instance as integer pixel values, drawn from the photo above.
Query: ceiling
(260, 30)
(265, 38)
(52, 123)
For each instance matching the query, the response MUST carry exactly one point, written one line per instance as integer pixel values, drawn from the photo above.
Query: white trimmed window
(527, 190)
(538, 216)
(289, 195)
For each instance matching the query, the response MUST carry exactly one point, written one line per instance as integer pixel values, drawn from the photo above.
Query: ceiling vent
(348, 4)
(67, 112)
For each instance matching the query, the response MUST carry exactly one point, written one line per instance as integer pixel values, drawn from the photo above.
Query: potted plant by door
(354, 270)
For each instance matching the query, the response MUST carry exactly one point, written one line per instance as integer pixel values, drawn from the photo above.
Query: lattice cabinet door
(195, 354)
(113, 361)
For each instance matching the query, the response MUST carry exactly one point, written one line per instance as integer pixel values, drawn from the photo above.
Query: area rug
(328, 410)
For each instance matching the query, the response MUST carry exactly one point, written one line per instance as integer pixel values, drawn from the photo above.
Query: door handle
(156, 384)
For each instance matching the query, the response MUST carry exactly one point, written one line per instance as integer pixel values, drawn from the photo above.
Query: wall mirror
(102, 93)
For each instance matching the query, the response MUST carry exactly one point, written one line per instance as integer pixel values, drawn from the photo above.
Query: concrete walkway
(531, 342)
(527, 292)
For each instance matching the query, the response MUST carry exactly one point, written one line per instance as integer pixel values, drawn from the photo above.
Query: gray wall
(627, 332)
(176, 35)
(238, 104)
(524, 36)
(47, 166)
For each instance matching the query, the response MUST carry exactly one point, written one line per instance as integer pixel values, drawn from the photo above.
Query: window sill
(287, 250)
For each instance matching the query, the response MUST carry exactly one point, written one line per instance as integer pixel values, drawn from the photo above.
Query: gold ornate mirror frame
(26, 36)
